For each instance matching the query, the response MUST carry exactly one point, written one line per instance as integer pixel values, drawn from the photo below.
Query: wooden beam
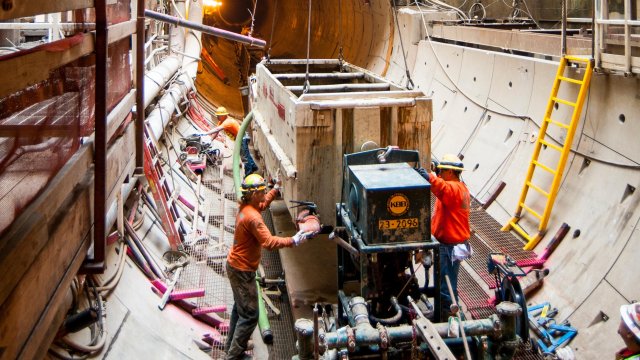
(38, 130)
(22, 71)
(23, 8)
(17, 253)
(119, 113)
(121, 30)
(34, 310)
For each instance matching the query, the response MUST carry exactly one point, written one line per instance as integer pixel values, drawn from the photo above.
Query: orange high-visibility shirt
(450, 221)
(252, 235)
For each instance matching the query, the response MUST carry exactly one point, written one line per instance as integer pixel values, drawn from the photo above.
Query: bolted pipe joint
(504, 342)
(359, 310)
(304, 333)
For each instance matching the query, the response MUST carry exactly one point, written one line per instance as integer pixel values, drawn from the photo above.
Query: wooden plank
(316, 165)
(21, 71)
(121, 30)
(37, 130)
(120, 163)
(386, 127)
(24, 8)
(27, 325)
(16, 253)
(119, 113)
(414, 129)
(366, 126)
(347, 131)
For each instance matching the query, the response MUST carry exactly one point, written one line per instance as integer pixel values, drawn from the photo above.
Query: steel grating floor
(282, 325)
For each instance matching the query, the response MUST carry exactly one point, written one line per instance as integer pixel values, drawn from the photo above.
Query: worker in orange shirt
(231, 127)
(450, 221)
(251, 235)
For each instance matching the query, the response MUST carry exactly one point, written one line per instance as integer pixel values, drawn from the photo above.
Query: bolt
(7, 5)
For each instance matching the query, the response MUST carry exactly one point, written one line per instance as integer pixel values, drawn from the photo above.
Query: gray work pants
(244, 316)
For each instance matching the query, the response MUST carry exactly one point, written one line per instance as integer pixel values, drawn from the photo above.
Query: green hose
(237, 180)
(263, 319)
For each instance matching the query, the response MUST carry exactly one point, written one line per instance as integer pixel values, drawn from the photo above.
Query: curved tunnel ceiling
(363, 28)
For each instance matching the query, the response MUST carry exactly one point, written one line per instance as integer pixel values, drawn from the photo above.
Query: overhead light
(212, 3)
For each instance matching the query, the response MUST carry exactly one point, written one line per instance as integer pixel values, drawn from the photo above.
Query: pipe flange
(384, 337)
(511, 344)
(351, 339)
(509, 309)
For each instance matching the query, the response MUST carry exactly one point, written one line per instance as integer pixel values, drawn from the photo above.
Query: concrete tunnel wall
(591, 274)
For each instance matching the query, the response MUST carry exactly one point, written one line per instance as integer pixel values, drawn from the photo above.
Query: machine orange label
(398, 204)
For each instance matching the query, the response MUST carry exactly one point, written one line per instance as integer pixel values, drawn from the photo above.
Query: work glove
(434, 166)
(278, 185)
(301, 237)
(423, 173)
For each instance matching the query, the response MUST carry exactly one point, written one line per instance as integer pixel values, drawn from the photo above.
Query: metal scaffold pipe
(206, 29)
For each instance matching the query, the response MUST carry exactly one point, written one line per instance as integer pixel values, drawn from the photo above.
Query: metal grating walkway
(284, 340)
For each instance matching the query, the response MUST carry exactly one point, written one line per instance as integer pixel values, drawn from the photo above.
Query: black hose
(390, 320)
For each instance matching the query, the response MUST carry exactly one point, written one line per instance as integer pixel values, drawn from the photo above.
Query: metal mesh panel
(283, 346)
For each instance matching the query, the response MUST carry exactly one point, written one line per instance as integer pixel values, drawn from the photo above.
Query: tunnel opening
(363, 32)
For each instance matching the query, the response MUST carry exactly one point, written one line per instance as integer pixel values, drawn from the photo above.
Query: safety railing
(617, 36)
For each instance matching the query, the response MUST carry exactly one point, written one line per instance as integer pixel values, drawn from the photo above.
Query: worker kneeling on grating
(251, 234)
(450, 221)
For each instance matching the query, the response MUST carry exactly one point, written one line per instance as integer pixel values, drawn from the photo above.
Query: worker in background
(450, 222)
(629, 330)
(231, 127)
(251, 235)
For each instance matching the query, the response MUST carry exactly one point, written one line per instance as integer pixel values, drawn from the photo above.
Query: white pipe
(160, 116)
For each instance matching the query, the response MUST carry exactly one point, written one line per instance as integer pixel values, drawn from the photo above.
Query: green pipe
(263, 319)
(237, 180)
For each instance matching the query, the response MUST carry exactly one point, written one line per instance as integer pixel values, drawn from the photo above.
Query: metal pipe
(153, 53)
(140, 87)
(341, 87)
(467, 353)
(100, 146)
(403, 333)
(360, 103)
(138, 243)
(251, 41)
(346, 75)
(304, 333)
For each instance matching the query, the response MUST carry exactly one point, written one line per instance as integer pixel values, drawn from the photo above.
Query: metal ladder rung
(537, 188)
(530, 210)
(520, 230)
(557, 123)
(574, 81)
(537, 163)
(553, 146)
(577, 59)
(562, 101)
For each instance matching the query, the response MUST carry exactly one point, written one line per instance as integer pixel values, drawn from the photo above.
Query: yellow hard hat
(253, 182)
(450, 161)
(221, 111)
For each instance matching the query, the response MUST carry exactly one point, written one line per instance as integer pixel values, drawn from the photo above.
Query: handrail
(604, 59)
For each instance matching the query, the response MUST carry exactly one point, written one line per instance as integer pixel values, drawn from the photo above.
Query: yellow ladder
(564, 150)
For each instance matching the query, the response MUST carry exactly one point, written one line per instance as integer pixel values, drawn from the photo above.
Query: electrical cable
(273, 25)
(424, 23)
(306, 85)
(410, 84)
